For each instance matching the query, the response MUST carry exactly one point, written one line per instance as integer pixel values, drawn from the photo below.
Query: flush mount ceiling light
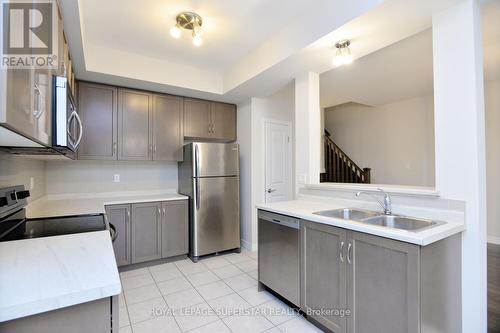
(189, 21)
(343, 54)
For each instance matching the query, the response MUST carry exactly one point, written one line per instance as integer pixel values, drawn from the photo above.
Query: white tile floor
(217, 294)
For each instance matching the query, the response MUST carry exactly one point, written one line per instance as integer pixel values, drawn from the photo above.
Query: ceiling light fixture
(343, 54)
(188, 21)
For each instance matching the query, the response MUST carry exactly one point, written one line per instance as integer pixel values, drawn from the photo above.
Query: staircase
(339, 168)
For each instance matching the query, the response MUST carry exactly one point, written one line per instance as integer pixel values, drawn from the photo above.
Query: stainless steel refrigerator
(209, 175)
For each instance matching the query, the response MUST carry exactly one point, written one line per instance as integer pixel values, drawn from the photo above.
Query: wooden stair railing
(339, 168)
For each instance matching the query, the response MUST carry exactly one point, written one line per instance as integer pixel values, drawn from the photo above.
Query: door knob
(270, 190)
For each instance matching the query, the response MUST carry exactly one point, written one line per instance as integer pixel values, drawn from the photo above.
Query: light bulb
(175, 31)
(347, 59)
(197, 40)
(338, 59)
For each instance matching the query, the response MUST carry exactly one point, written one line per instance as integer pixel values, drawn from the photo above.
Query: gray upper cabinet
(383, 285)
(324, 273)
(146, 231)
(97, 106)
(223, 121)
(167, 128)
(119, 216)
(209, 120)
(127, 124)
(42, 104)
(134, 123)
(28, 103)
(196, 118)
(174, 228)
(18, 99)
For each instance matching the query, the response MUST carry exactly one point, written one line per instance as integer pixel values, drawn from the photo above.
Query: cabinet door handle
(80, 129)
(159, 211)
(39, 109)
(163, 211)
(349, 252)
(341, 252)
(114, 148)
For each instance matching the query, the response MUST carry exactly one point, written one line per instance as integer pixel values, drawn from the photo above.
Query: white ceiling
(403, 70)
(251, 47)
(231, 28)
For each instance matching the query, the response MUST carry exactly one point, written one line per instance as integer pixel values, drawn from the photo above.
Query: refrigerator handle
(196, 161)
(197, 190)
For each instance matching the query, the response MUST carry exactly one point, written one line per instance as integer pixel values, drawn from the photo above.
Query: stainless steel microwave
(66, 125)
(67, 129)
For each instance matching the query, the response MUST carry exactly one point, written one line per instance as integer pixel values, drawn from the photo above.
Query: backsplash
(99, 176)
(17, 170)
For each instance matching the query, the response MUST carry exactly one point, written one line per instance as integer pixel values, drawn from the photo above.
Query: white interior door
(278, 163)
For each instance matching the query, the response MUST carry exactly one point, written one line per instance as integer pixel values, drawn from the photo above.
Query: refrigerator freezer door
(215, 225)
(215, 159)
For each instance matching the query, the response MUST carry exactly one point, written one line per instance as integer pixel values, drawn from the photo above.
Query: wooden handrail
(340, 167)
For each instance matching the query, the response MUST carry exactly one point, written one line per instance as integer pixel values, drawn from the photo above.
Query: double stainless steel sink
(379, 219)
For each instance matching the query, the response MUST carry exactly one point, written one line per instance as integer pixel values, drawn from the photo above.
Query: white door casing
(278, 161)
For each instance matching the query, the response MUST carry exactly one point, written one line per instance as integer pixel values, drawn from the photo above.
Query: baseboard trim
(246, 245)
(494, 240)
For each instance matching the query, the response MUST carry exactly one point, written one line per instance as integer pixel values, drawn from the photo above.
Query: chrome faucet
(386, 204)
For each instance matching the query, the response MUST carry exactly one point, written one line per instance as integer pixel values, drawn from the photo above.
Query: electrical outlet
(116, 178)
(32, 183)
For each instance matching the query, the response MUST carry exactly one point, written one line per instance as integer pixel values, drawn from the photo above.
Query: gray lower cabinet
(119, 216)
(383, 285)
(174, 228)
(96, 316)
(149, 231)
(387, 286)
(146, 231)
(324, 273)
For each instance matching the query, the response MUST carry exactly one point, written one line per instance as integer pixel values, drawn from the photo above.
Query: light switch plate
(116, 178)
(32, 183)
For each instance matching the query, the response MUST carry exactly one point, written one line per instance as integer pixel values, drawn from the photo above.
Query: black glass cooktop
(16, 227)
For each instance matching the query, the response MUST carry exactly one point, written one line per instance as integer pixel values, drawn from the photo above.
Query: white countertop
(43, 274)
(88, 203)
(304, 209)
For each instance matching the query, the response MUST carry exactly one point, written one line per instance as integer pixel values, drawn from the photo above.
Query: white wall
(492, 103)
(395, 140)
(251, 116)
(459, 119)
(308, 131)
(16, 170)
(244, 129)
(97, 176)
